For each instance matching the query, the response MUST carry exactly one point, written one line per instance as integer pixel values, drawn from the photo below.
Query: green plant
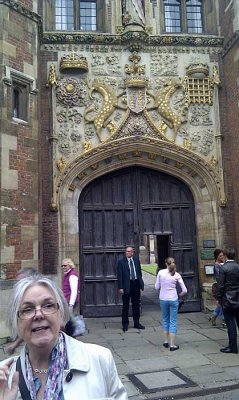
(149, 268)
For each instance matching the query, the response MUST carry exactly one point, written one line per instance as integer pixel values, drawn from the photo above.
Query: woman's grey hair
(19, 290)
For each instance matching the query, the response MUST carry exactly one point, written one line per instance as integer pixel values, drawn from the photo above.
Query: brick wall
(229, 111)
(19, 143)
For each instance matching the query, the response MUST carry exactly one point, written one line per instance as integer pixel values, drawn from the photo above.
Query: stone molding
(137, 150)
(135, 40)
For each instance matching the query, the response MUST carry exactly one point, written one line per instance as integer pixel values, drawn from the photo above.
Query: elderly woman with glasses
(52, 365)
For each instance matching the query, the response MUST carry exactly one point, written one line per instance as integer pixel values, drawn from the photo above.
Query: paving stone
(131, 389)
(233, 372)
(186, 358)
(206, 346)
(198, 370)
(152, 364)
(211, 378)
(225, 360)
(191, 336)
(137, 353)
(214, 333)
(159, 380)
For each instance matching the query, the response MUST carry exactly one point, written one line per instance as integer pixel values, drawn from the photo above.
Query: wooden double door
(118, 210)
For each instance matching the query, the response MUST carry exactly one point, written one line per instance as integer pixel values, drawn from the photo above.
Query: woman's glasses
(30, 311)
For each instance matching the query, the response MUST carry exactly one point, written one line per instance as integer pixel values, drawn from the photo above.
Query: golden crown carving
(74, 61)
(136, 81)
(198, 69)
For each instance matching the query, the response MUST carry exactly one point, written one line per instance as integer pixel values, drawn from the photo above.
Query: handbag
(180, 303)
(22, 384)
(75, 326)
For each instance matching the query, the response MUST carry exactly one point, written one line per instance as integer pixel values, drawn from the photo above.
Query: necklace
(40, 371)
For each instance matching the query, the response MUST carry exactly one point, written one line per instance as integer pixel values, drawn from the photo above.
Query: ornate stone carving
(89, 132)
(87, 146)
(223, 202)
(64, 116)
(200, 115)
(213, 162)
(65, 147)
(71, 92)
(61, 164)
(164, 65)
(198, 86)
(73, 62)
(187, 145)
(137, 153)
(95, 166)
(82, 175)
(216, 77)
(138, 125)
(52, 80)
(127, 38)
(136, 73)
(163, 105)
(152, 156)
(202, 141)
(108, 105)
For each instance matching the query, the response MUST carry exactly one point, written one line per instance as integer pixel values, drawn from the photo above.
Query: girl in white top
(166, 282)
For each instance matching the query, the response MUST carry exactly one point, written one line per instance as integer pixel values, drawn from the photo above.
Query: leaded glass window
(183, 16)
(76, 15)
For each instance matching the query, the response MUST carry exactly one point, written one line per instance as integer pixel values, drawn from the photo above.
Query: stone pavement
(198, 370)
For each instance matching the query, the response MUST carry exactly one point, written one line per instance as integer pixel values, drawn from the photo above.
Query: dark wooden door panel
(117, 210)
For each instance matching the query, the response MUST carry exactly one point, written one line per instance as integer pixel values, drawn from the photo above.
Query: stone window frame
(24, 85)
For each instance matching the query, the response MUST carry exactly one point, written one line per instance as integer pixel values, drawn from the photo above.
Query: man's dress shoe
(139, 326)
(228, 350)
(125, 328)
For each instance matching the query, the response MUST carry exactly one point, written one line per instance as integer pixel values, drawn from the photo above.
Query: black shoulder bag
(22, 384)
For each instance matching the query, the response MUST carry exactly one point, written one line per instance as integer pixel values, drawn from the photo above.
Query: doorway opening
(156, 248)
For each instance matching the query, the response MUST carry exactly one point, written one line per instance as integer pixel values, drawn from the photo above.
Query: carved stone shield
(136, 99)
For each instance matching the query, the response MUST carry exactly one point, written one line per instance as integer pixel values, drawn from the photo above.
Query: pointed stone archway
(155, 154)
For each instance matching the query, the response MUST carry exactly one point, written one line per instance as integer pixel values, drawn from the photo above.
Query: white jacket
(94, 373)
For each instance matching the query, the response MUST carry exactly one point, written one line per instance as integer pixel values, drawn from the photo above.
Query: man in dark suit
(130, 283)
(228, 295)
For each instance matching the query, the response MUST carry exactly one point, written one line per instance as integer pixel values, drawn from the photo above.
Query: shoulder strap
(22, 384)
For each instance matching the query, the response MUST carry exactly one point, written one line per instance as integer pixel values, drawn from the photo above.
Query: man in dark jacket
(130, 283)
(228, 295)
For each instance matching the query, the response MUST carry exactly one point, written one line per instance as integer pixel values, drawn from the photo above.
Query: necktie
(132, 273)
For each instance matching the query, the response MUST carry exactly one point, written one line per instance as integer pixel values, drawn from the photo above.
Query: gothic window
(76, 15)
(183, 16)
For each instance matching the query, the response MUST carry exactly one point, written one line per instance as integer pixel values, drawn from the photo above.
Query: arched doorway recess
(116, 210)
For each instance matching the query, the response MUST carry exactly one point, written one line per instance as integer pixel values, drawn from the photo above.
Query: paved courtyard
(198, 370)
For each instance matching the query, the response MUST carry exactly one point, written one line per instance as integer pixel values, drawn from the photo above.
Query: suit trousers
(134, 295)
(232, 319)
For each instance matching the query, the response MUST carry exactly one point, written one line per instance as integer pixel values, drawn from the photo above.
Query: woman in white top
(166, 282)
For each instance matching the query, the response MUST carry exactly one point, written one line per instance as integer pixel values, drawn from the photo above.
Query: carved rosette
(71, 92)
